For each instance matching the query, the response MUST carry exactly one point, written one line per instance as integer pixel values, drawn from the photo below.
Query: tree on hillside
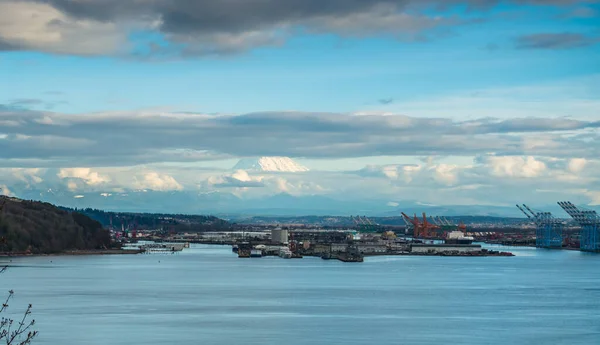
(37, 227)
(11, 332)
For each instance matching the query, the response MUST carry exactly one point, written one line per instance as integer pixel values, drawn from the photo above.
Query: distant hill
(42, 228)
(346, 221)
(224, 204)
(171, 222)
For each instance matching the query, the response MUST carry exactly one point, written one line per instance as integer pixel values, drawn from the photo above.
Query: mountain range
(227, 204)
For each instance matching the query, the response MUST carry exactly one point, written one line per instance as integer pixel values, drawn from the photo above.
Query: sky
(472, 102)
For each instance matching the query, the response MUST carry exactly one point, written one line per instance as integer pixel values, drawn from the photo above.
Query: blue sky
(322, 72)
(469, 61)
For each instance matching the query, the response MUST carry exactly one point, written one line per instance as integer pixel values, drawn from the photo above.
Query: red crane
(422, 229)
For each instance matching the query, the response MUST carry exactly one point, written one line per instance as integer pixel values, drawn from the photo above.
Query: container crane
(590, 225)
(364, 224)
(548, 232)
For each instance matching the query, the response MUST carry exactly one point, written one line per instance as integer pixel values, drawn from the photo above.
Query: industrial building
(362, 248)
(279, 236)
(443, 248)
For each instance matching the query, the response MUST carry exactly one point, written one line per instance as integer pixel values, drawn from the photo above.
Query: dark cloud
(244, 14)
(30, 103)
(235, 183)
(555, 41)
(125, 139)
(195, 27)
(24, 102)
(582, 12)
(8, 46)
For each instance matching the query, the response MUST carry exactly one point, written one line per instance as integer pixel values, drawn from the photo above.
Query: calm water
(206, 295)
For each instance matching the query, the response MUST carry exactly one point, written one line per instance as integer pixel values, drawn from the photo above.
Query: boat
(235, 248)
(256, 253)
(458, 237)
(285, 253)
(346, 257)
(159, 251)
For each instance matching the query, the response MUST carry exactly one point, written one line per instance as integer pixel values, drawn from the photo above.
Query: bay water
(206, 295)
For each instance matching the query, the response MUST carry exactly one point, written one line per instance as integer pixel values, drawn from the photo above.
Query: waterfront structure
(279, 236)
(590, 226)
(441, 248)
(338, 247)
(321, 236)
(285, 252)
(549, 230)
(371, 248)
(366, 248)
(458, 237)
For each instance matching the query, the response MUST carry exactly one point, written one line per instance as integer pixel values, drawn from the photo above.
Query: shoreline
(76, 253)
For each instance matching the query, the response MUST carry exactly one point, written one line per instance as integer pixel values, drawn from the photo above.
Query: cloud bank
(206, 27)
(51, 139)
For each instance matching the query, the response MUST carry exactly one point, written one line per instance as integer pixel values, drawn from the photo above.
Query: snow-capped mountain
(193, 202)
(273, 164)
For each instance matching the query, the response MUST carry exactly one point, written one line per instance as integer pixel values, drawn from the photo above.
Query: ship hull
(458, 241)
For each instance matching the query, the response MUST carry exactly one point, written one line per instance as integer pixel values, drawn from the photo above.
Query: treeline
(42, 228)
(167, 222)
(391, 221)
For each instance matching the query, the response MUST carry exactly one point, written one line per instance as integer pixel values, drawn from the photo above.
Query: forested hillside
(171, 222)
(37, 227)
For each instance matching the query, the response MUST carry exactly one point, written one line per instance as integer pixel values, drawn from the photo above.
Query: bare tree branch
(22, 335)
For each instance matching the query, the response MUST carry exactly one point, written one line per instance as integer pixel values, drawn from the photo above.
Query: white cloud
(298, 186)
(498, 180)
(29, 176)
(156, 181)
(446, 174)
(72, 186)
(576, 165)
(405, 172)
(238, 179)
(242, 175)
(86, 174)
(29, 25)
(527, 167)
(4, 190)
(594, 196)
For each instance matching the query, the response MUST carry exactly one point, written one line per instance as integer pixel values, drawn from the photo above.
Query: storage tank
(279, 236)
